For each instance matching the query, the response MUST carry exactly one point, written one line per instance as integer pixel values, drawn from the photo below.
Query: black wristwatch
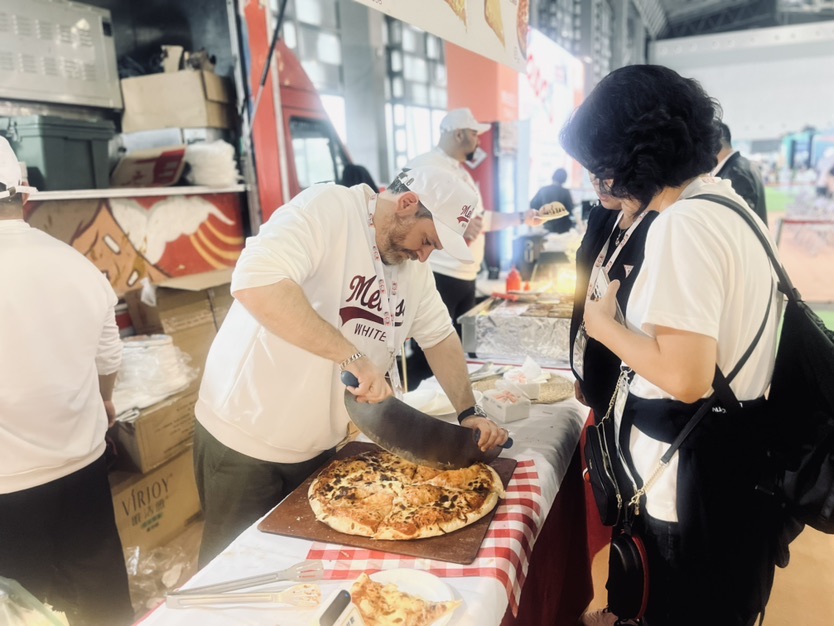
(473, 410)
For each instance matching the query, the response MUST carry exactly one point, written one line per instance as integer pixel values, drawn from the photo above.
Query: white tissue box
(531, 390)
(528, 378)
(500, 405)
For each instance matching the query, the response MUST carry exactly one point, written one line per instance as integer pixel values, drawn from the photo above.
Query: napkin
(529, 372)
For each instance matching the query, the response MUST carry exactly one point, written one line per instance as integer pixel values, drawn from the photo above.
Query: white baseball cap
(10, 172)
(462, 119)
(451, 201)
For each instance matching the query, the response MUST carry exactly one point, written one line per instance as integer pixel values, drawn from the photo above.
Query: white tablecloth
(544, 445)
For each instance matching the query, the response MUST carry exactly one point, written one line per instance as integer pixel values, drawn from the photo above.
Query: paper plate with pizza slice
(399, 596)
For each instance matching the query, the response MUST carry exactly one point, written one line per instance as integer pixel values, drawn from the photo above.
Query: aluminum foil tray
(498, 329)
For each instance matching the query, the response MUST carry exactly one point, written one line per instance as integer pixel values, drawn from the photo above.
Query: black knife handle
(507, 444)
(349, 379)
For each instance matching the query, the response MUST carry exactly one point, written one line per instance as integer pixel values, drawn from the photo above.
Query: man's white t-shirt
(705, 272)
(441, 261)
(271, 400)
(58, 334)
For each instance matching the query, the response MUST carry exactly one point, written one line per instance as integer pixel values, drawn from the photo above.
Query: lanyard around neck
(602, 253)
(389, 300)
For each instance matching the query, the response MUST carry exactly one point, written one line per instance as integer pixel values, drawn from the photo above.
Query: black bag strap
(721, 389)
(785, 285)
(721, 383)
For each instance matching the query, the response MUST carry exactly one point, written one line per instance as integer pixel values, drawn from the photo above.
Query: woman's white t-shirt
(705, 272)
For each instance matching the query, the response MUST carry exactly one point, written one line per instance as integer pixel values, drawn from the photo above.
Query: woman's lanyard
(580, 342)
(389, 300)
(615, 253)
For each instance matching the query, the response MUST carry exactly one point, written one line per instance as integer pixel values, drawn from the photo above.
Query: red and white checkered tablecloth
(504, 554)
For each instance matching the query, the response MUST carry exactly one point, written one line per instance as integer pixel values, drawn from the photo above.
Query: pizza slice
(479, 476)
(492, 13)
(386, 605)
(552, 211)
(423, 511)
(381, 469)
(522, 25)
(351, 510)
(459, 7)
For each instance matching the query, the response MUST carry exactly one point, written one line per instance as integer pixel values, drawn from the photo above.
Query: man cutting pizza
(336, 280)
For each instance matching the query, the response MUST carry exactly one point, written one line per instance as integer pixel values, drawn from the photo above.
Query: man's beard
(394, 253)
(470, 155)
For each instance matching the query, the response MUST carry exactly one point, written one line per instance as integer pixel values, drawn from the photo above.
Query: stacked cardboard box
(183, 99)
(152, 509)
(157, 434)
(154, 492)
(190, 309)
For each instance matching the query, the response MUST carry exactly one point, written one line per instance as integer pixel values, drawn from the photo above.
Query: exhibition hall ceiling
(684, 18)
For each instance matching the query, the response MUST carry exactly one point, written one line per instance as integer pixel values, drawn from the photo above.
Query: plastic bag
(153, 368)
(152, 573)
(18, 607)
(211, 163)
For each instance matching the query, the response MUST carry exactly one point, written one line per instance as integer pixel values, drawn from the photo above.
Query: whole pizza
(380, 495)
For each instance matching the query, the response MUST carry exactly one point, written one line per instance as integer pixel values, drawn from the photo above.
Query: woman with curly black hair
(703, 296)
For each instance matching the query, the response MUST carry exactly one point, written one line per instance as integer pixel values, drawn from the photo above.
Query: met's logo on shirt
(465, 214)
(364, 302)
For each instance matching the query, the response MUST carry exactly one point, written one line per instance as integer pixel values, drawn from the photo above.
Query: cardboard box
(190, 309)
(154, 167)
(158, 434)
(184, 99)
(152, 509)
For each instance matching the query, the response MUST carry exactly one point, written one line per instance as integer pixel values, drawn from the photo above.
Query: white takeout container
(504, 411)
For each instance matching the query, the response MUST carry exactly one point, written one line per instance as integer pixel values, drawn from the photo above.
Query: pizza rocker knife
(411, 434)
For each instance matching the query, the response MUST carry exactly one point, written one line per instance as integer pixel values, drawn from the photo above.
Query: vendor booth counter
(532, 568)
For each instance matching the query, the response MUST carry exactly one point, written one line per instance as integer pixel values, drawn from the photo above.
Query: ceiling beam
(678, 11)
(749, 14)
(653, 15)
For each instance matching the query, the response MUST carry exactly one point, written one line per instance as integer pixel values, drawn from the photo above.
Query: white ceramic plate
(419, 583)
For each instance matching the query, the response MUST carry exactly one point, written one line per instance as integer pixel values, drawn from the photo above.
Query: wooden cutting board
(294, 518)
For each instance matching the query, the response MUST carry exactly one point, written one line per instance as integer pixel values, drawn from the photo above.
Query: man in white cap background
(459, 132)
(335, 280)
(59, 354)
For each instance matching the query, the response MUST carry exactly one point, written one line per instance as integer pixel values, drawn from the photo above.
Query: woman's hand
(600, 313)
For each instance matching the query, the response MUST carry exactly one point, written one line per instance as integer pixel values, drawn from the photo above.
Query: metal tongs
(487, 370)
(298, 595)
